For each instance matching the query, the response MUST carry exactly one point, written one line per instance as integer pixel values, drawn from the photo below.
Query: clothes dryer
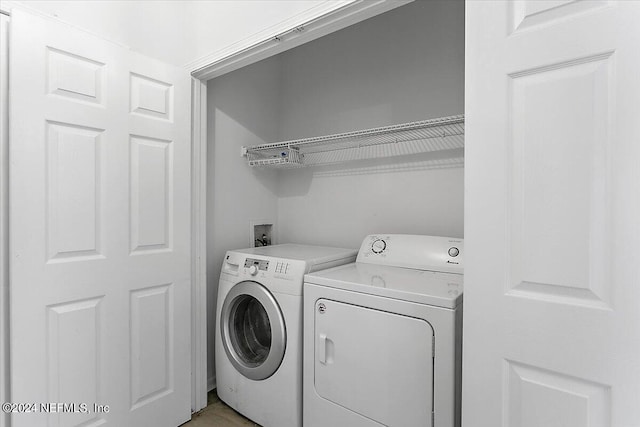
(258, 338)
(382, 338)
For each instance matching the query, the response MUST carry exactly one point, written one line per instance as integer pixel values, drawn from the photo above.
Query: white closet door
(552, 164)
(100, 286)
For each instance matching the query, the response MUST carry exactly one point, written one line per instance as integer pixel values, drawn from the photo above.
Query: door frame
(315, 23)
(4, 218)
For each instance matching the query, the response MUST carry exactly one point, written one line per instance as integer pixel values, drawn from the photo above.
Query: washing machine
(258, 338)
(383, 336)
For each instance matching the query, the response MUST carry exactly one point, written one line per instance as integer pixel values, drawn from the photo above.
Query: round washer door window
(253, 330)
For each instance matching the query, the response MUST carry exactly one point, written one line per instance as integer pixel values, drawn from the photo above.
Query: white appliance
(258, 338)
(382, 336)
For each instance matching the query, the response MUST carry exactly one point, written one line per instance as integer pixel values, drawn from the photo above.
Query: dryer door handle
(322, 348)
(325, 349)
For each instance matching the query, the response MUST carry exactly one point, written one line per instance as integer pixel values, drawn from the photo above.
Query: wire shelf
(445, 133)
(285, 158)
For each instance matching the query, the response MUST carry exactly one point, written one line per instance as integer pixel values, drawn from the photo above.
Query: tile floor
(218, 414)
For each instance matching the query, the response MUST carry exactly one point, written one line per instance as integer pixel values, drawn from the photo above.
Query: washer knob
(253, 270)
(454, 252)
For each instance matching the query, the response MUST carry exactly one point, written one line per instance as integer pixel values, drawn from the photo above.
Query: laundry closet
(402, 66)
(101, 191)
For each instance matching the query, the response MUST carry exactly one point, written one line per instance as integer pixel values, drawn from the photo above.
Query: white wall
(180, 32)
(242, 110)
(404, 65)
(340, 209)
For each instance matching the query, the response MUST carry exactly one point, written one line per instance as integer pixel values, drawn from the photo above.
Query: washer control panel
(432, 253)
(262, 268)
(259, 264)
(282, 267)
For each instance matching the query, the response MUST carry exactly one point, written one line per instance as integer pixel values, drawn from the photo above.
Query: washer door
(253, 330)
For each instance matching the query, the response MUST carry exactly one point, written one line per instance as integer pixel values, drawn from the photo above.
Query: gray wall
(404, 65)
(242, 110)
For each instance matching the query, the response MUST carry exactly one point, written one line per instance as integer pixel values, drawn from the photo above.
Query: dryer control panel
(433, 253)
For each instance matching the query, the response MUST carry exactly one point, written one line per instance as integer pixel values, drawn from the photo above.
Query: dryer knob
(378, 246)
(253, 270)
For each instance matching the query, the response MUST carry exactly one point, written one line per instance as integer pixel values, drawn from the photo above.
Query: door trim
(4, 218)
(199, 381)
(314, 23)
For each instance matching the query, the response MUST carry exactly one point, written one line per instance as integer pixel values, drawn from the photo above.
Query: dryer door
(369, 360)
(253, 330)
